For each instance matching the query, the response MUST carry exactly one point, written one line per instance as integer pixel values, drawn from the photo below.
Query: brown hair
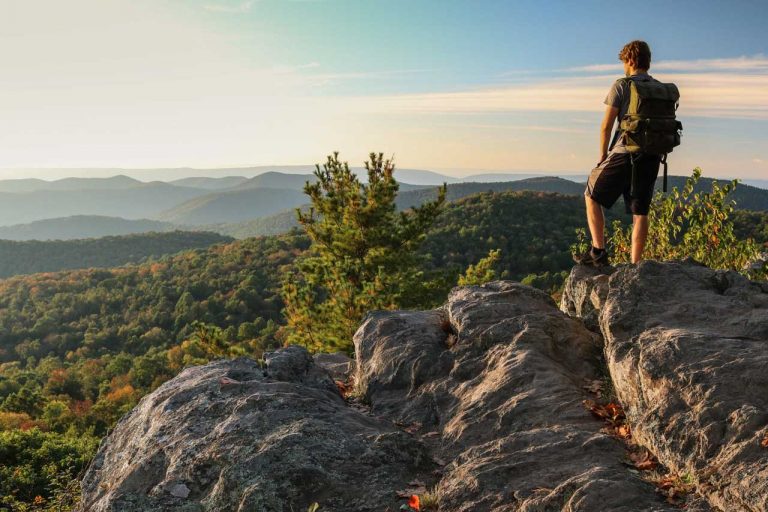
(637, 51)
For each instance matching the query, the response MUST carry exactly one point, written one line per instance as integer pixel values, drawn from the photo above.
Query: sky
(452, 86)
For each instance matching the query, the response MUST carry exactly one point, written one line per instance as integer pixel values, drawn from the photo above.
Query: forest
(29, 257)
(79, 348)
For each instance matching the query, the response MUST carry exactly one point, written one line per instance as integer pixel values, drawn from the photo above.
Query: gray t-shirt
(618, 96)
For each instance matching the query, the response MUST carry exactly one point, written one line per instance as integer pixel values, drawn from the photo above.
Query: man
(613, 175)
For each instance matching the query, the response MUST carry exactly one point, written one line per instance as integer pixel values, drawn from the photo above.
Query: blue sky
(455, 86)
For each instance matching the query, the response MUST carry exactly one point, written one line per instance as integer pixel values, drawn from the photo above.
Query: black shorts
(613, 178)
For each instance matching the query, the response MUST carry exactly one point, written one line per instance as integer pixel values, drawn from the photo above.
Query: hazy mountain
(496, 177)
(756, 183)
(459, 190)
(32, 184)
(274, 179)
(418, 177)
(415, 176)
(81, 226)
(746, 196)
(138, 202)
(211, 183)
(234, 206)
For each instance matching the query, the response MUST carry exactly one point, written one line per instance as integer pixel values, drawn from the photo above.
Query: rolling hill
(211, 183)
(235, 206)
(35, 256)
(31, 184)
(81, 226)
(137, 202)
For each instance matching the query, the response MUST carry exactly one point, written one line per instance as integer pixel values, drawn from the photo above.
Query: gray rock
(497, 375)
(338, 364)
(180, 491)
(584, 293)
(687, 349)
(480, 400)
(243, 438)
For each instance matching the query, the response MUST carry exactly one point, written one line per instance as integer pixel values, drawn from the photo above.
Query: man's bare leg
(596, 221)
(639, 236)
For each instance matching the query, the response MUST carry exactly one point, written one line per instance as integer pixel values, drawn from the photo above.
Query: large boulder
(495, 376)
(687, 349)
(233, 436)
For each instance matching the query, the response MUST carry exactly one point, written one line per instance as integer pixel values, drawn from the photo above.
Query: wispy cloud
(715, 88)
(744, 63)
(240, 8)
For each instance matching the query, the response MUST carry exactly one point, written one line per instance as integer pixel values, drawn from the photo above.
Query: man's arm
(605, 130)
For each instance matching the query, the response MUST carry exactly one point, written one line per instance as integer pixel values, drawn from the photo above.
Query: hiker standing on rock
(630, 165)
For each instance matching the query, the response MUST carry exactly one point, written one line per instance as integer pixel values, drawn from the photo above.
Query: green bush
(684, 224)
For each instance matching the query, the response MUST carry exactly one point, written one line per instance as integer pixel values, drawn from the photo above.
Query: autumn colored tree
(363, 253)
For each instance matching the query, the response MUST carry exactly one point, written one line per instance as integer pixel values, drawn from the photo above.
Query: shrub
(684, 224)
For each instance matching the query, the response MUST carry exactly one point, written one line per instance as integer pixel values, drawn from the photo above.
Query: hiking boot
(590, 258)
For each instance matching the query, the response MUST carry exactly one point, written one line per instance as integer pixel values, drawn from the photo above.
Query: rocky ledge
(476, 406)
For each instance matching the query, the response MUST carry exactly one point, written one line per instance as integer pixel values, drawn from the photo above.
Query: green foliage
(747, 224)
(533, 230)
(550, 282)
(687, 224)
(483, 271)
(581, 244)
(41, 465)
(32, 256)
(363, 253)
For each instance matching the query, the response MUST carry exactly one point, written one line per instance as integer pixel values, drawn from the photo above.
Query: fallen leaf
(643, 460)
(764, 442)
(614, 410)
(413, 502)
(623, 431)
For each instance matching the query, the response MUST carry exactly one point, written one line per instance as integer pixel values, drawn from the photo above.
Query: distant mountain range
(234, 205)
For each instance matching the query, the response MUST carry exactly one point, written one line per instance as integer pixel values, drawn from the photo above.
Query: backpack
(649, 126)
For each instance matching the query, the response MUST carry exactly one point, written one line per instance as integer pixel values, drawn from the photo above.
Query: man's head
(636, 56)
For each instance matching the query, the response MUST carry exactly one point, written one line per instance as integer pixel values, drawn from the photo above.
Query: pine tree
(362, 255)
(483, 271)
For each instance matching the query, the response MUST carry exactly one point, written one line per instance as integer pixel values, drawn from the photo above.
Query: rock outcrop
(584, 293)
(478, 402)
(232, 436)
(498, 375)
(687, 349)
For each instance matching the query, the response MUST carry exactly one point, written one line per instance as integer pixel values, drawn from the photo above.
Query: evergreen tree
(362, 255)
(483, 271)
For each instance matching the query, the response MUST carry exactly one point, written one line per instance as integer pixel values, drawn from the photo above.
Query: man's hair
(637, 51)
